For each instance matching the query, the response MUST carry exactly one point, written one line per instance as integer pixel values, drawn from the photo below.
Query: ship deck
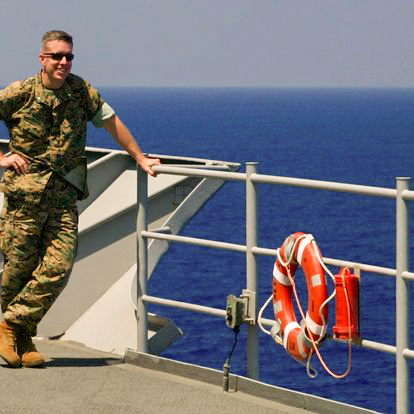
(82, 380)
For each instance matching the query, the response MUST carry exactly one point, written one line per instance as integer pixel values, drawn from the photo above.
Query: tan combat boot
(7, 345)
(30, 356)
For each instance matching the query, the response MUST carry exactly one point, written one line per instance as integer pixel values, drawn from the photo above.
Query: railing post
(142, 261)
(251, 269)
(402, 298)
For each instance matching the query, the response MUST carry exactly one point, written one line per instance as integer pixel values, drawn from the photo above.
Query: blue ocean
(360, 136)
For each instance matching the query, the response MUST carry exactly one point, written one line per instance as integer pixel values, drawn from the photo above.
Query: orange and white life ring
(299, 249)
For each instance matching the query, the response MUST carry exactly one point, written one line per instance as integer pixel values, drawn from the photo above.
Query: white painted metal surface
(94, 308)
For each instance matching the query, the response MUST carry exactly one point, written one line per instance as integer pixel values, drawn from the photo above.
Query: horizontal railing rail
(401, 194)
(160, 235)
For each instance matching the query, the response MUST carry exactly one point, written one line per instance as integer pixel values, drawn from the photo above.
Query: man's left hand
(147, 163)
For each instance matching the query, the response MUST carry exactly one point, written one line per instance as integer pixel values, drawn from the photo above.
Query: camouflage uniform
(38, 223)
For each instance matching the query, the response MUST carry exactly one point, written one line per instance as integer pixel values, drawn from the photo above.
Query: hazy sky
(218, 42)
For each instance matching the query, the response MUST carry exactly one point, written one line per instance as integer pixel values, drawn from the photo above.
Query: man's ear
(42, 59)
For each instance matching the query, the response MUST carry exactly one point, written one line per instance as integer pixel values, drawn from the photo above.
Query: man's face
(56, 68)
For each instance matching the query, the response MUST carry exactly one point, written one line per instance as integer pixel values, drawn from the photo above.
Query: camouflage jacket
(48, 127)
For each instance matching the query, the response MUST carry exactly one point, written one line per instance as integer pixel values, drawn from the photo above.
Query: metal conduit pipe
(341, 263)
(402, 297)
(326, 185)
(408, 353)
(198, 172)
(295, 182)
(195, 241)
(251, 270)
(402, 194)
(407, 194)
(142, 262)
(102, 160)
(407, 275)
(184, 305)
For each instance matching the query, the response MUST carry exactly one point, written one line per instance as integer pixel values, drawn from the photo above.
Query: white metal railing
(401, 194)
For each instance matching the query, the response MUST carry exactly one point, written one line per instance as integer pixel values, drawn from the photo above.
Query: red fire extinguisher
(347, 297)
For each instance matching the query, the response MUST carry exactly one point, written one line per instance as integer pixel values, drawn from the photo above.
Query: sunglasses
(59, 56)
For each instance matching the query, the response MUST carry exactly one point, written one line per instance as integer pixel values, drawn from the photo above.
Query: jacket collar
(51, 97)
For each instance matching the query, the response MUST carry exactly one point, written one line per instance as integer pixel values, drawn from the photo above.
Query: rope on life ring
(299, 249)
(301, 341)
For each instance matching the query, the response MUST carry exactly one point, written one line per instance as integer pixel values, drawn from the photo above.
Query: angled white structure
(96, 306)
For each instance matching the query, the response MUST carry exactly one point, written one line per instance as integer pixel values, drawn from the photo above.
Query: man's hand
(15, 161)
(147, 163)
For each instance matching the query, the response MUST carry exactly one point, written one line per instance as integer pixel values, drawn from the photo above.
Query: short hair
(56, 35)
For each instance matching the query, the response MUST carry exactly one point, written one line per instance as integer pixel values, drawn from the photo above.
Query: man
(45, 174)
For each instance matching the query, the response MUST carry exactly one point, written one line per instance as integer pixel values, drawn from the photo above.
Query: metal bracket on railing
(249, 298)
(241, 310)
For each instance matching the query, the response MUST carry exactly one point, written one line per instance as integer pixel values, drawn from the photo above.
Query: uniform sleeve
(95, 107)
(11, 98)
(103, 114)
(95, 101)
(100, 110)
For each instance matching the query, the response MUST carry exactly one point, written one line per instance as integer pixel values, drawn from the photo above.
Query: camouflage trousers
(39, 243)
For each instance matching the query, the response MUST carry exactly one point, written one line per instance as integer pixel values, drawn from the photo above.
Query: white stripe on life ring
(313, 326)
(289, 328)
(280, 277)
(301, 338)
(277, 307)
(303, 243)
(316, 280)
